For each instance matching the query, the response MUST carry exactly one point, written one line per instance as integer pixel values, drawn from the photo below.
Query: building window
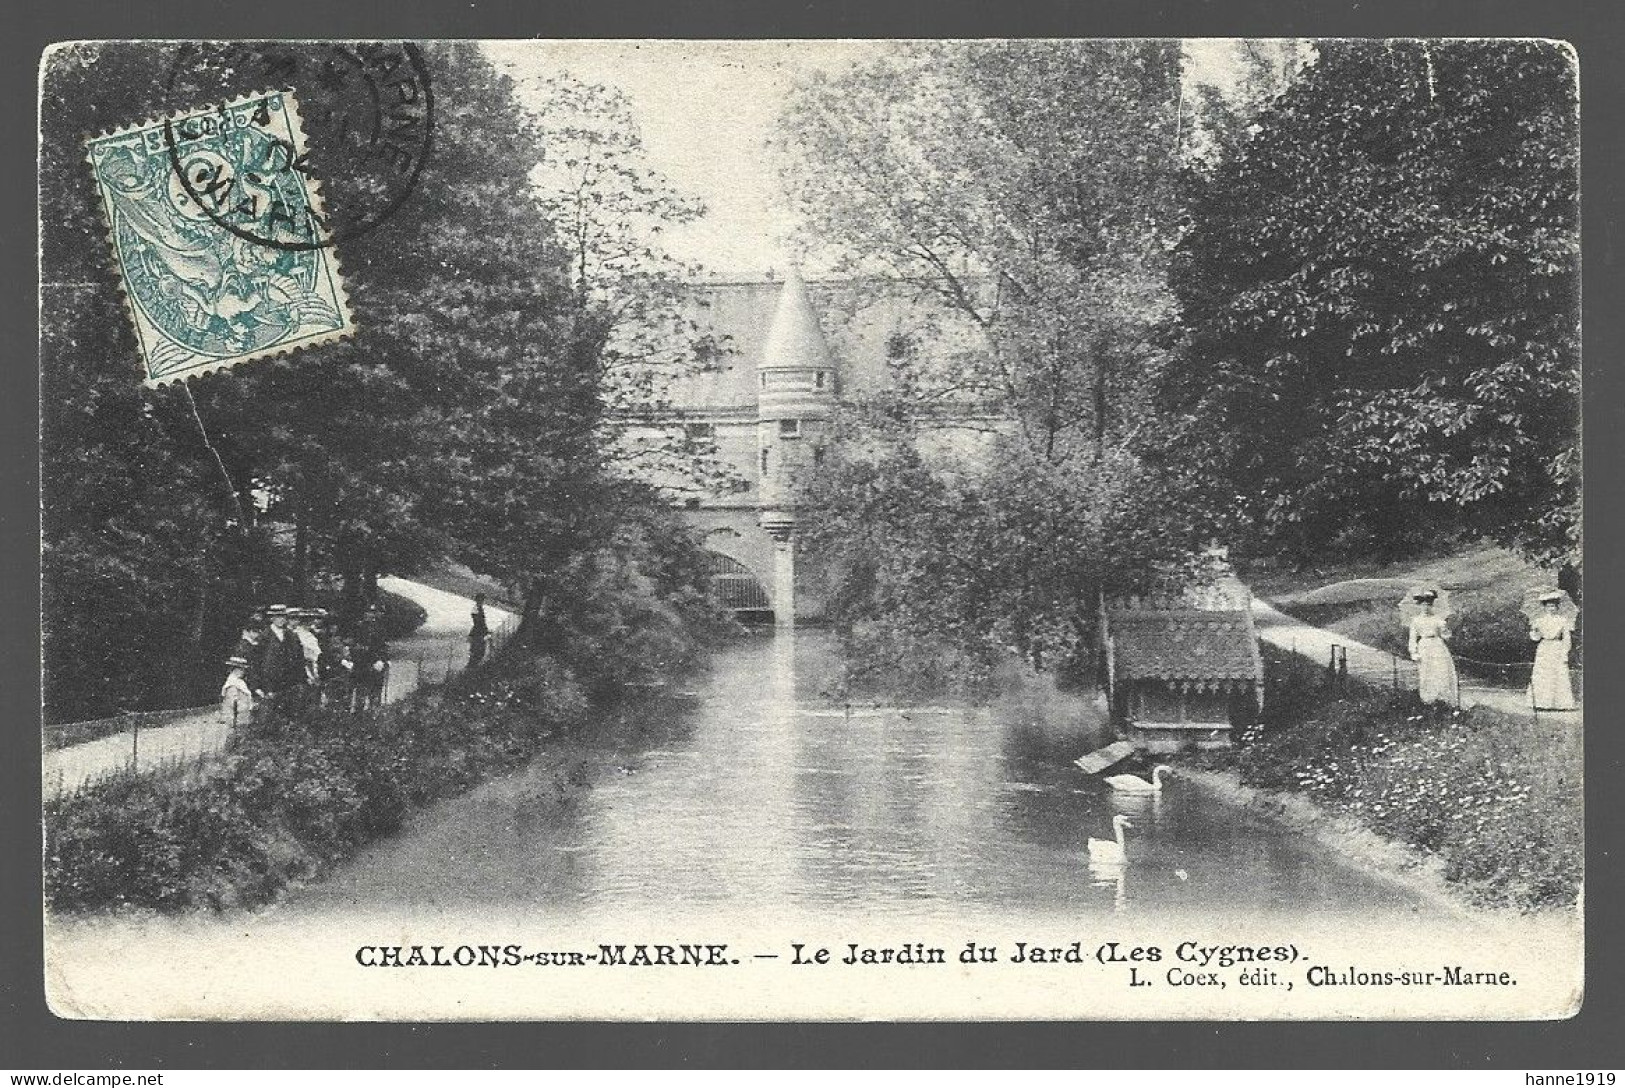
(789, 428)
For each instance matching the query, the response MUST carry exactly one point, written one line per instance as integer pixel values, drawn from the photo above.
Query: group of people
(1552, 631)
(298, 653)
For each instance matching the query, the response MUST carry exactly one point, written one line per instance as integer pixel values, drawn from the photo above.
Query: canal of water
(762, 791)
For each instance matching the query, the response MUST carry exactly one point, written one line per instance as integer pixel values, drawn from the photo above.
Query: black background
(31, 1038)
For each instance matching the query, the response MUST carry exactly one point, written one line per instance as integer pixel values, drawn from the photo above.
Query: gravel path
(1376, 666)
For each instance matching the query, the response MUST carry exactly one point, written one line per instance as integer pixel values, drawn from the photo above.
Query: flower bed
(1497, 799)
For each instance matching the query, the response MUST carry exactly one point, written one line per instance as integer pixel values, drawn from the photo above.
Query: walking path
(1373, 665)
(439, 648)
(434, 651)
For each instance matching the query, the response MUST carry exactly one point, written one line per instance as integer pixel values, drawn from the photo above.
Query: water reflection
(767, 793)
(1113, 876)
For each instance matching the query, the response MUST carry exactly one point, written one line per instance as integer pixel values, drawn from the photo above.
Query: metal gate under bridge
(736, 587)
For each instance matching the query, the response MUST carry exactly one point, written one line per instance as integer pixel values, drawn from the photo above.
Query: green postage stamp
(219, 237)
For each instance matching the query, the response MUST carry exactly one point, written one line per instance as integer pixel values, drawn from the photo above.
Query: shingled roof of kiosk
(1175, 642)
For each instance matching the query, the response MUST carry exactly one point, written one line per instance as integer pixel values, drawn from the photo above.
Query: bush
(401, 616)
(1492, 634)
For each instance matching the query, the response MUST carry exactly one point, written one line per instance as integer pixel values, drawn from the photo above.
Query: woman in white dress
(1553, 635)
(1435, 668)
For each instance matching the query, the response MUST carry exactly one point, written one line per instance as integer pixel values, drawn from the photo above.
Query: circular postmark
(364, 129)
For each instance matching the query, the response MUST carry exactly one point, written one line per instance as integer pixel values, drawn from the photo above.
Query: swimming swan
(1109, 851)
(1129, 783)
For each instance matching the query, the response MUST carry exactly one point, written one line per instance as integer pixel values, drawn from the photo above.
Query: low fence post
(1337, 666)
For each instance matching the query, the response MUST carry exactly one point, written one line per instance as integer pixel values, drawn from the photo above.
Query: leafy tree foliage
(952, 573)
(1032, 188)
(612, 211)
(465, 419)
(1381, 292)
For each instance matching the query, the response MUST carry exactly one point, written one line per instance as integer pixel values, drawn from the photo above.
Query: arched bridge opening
(738, 589)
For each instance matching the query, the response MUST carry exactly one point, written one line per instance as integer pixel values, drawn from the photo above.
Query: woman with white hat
(1435, 667)
(1553, 634)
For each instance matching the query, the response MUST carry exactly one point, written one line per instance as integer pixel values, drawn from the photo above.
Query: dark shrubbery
(401, 616)
(1497, 798)
(297, 790)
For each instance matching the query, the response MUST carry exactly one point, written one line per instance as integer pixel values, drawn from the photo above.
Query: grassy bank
(298, 790)
(1496, 799)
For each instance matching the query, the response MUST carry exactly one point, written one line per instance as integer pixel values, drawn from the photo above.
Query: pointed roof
(795, 339)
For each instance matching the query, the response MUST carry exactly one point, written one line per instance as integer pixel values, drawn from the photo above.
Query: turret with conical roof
(796, 395)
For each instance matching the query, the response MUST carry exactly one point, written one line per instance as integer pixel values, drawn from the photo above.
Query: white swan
(1110, 851)
(1129, 783)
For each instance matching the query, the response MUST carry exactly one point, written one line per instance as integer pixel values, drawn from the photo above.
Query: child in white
(236, 700)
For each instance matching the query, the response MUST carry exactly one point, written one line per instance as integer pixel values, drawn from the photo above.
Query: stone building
(789, 354)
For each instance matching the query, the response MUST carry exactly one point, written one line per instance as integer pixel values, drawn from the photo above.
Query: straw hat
(1418, 596)
(1536, 602)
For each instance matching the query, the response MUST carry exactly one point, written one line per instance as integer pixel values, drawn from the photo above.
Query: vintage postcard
(812, 530)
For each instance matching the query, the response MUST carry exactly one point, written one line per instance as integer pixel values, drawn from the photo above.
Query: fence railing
(171, 753)
(66, 734)
(70, 767)
(1380, 669)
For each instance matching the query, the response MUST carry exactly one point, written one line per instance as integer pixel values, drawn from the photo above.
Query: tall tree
(1032, 188)
(614, 211)
(1382, 299)
(139, 530)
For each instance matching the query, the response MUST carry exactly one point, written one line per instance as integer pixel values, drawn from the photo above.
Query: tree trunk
(1100, 407)
(1568, 580)
(301, 556)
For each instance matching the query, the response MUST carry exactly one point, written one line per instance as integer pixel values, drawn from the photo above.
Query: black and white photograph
(932, 529)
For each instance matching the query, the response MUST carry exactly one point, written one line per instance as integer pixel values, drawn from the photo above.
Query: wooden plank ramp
(1101, 758)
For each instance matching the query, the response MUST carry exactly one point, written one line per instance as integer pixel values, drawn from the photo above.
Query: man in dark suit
(282, 663)
(371, 657)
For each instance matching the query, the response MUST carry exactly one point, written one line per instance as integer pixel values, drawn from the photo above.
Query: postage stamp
(214, 220)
